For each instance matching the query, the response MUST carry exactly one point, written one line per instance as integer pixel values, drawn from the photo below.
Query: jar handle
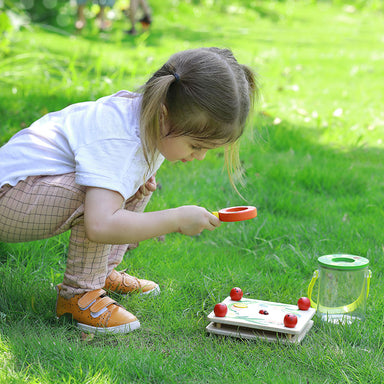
(310, 288)
(368, 280)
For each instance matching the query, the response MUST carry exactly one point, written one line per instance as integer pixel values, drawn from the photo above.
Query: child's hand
(193, 220)
(146, 189)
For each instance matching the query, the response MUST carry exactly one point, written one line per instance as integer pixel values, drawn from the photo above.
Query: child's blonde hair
(208, 96)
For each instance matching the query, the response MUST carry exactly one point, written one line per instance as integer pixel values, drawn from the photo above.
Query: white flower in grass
(276, 121)
(338, 112)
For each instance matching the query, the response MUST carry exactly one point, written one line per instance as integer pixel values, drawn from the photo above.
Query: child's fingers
(151, 185)
(214, 220)
(140, 194)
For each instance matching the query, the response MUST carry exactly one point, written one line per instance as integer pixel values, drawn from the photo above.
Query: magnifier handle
(216, 214)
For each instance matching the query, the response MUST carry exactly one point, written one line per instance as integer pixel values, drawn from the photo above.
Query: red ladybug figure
(290, 320)
(304, 303)
(236, 294)
(220, 310)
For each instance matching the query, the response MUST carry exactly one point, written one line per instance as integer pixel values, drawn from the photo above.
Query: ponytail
(154, 98)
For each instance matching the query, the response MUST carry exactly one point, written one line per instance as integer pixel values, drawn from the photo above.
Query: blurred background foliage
(59, 13)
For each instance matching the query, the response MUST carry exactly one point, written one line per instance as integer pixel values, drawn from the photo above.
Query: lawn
(313, 159)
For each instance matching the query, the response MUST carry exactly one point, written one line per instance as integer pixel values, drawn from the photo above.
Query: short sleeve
(114, 164)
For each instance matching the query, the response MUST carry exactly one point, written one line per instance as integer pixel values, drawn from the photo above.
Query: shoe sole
(124, 328)
(153, 292)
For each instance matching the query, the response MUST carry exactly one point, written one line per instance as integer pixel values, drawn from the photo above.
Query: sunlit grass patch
(312, 157)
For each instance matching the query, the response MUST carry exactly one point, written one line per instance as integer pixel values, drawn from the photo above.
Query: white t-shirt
(98, 140)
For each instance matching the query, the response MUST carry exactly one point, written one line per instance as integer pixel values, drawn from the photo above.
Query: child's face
(183, 148)
(180, 148)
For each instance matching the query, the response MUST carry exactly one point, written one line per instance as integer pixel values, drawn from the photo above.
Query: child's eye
(196, 148)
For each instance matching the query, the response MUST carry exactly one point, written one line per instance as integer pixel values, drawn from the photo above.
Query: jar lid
(342, 261)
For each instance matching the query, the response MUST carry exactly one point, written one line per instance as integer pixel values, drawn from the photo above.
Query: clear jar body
(342, 294)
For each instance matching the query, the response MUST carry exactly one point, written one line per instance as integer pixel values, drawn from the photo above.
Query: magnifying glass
(236, 213)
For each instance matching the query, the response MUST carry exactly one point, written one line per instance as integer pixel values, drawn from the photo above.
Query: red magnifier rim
(237, 213)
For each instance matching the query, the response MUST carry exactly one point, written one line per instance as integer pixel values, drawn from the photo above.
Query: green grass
(315, 175)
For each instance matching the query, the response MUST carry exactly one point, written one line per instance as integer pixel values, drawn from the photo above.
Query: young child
(145, 21)
(102, 23)
(90, 168)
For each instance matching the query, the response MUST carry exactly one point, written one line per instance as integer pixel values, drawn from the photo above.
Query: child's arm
(107, 222)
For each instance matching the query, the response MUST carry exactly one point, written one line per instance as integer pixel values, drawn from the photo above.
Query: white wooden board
(244, 320)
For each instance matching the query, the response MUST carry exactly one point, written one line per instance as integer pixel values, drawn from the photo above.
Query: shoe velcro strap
(130, 281)
(102, 303)
(89, 297)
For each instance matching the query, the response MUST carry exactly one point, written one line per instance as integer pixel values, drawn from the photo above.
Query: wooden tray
(243, 320)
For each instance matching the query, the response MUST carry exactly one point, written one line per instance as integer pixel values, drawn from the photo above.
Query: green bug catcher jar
(343, 287)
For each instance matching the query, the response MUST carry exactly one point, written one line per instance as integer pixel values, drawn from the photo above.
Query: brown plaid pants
(45, 206)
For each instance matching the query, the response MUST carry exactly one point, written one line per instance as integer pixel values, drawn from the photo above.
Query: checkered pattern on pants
(45, 206)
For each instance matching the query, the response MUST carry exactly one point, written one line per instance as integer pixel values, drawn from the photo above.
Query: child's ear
(164, 110)
(164, 128)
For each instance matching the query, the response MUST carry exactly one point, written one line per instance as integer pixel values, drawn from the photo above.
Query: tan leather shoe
(96, 312)
(121, 282)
